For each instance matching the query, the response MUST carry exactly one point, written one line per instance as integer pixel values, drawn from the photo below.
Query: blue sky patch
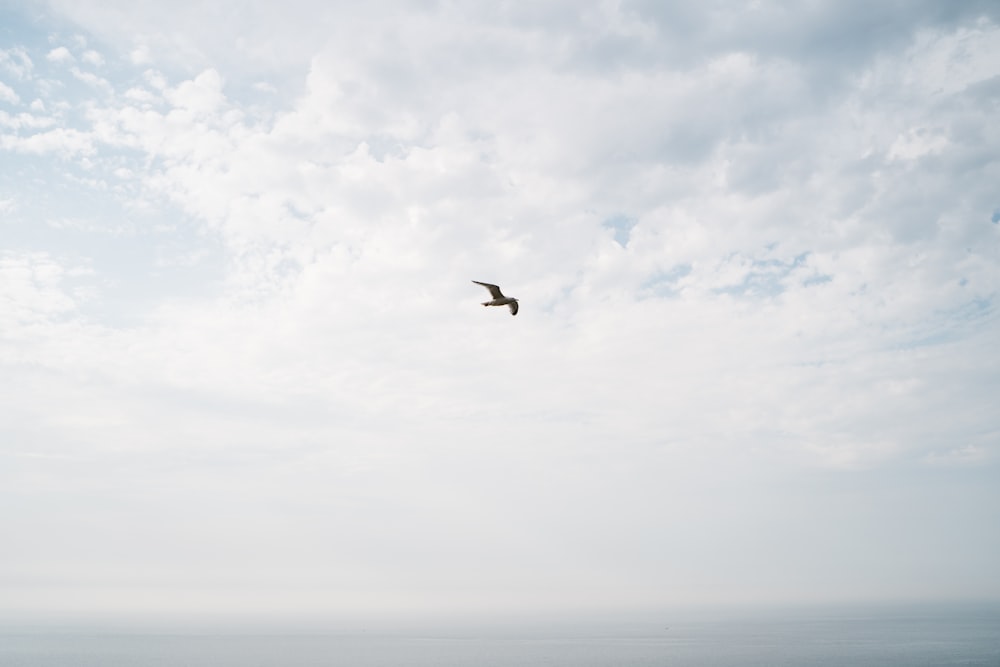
(621, 226)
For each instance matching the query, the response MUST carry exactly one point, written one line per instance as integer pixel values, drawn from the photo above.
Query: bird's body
(498, 298)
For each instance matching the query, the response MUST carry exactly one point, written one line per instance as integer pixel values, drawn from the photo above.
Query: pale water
(904, 637)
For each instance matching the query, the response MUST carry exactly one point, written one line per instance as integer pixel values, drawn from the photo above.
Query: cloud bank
(757, 254)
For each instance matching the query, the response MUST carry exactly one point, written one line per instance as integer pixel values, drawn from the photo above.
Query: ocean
(911, 637)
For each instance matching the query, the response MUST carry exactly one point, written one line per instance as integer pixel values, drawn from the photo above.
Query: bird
(498, 298)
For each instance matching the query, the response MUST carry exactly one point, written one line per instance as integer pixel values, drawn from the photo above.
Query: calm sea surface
(935, 638)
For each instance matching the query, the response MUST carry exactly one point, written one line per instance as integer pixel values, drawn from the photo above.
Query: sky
(243, 369)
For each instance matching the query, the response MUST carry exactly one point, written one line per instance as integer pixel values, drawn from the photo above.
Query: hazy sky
(243, 367)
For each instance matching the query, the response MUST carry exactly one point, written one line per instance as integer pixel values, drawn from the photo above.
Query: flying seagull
(498, 298)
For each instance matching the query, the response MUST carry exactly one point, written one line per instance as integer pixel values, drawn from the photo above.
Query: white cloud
(917, 143)
(60, 54)
(32, 289)
(59, 141)
(91, 79)
(804, 302)
(141, 95)
(16, 62)
(202, 95)
(8, 95)
(310, 191)
(140, 55)
(93, 58)
(25, 121)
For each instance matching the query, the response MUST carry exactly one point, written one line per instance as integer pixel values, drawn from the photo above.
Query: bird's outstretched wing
(513, 307)
(494, 290)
